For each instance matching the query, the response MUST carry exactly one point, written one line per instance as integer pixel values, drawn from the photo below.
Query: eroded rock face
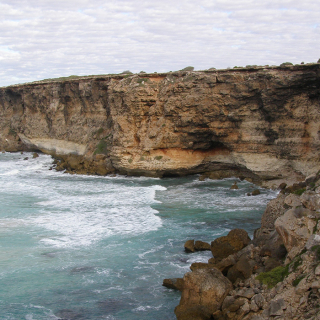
(203, 293)
(260, 123)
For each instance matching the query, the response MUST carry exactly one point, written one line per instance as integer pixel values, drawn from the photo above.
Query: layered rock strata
(260, 123)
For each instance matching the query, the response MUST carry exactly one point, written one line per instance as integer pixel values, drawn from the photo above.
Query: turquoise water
(86, 247)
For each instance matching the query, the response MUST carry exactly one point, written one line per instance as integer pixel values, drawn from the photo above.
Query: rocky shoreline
(274, 276)
(257, 123)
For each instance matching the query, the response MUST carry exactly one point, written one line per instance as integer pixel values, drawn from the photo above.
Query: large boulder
(295, 227)
(203, 293)
(202, 246)
(189, 246)
(236, 240)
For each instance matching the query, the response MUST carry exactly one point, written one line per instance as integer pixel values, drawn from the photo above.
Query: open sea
(89, 247)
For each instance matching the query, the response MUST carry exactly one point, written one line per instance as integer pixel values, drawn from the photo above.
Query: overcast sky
(51, 38)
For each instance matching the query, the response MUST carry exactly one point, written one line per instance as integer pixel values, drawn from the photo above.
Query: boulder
(231, 304)
(255, 192)
(199, 265)
(35, 155)
(189, 246)
(236, 240)
(203, 293)
(234, 186)
(294, 231)
(310, 200)
(202, 246)
(292, 200)
(175, 283)
(241, 270)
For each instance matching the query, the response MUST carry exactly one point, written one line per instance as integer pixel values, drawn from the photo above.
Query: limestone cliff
(262, 123)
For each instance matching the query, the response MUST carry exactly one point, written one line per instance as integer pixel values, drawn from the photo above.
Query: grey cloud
(58, 38)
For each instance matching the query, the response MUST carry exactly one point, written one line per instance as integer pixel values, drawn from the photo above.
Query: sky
(42, 39)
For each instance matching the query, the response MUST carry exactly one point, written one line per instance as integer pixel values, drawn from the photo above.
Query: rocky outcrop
(203, 293)
(259, 123)
(276, 276)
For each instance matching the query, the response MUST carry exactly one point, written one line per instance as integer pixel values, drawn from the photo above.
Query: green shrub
(126, 72)
(158, 157)
(140, 80)
(130, 160)
(101, 147)
(189, 68)
(299, 192)
(99, 131)
(286, 64)
(272, 277)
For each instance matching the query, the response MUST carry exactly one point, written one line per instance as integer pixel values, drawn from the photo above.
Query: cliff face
(260, 122)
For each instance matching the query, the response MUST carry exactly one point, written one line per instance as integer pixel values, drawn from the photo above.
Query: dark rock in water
(255, 192)
(110, 305)
(224, 246)
(248, 194)
(234, 186)
(49, 254)
(66, 314)
(50, 168)
(175, 283)
(82, 269)
(189, 246)
(202, 246)
(35, 155)
(26, 158)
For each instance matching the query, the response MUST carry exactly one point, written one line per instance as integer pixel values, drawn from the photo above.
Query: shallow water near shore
(88, 247)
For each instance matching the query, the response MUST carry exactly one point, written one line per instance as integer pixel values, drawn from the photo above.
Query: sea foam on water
(99, 247)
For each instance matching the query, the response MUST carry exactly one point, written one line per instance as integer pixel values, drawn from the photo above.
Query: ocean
(92, 247)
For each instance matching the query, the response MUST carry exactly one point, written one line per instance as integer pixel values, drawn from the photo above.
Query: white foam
(84, 219)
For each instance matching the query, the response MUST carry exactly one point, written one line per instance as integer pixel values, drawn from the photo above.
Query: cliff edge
(260, 123)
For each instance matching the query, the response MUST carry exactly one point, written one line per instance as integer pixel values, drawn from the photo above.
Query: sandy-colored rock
(202, 246)
(175, 283)
(203, 293)
(294, 231)
(189, 246)
(275, 208)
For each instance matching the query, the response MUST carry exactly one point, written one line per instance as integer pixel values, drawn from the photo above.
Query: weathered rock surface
(276, 276)
(203, 293)
(260, 123)
(236, 239)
